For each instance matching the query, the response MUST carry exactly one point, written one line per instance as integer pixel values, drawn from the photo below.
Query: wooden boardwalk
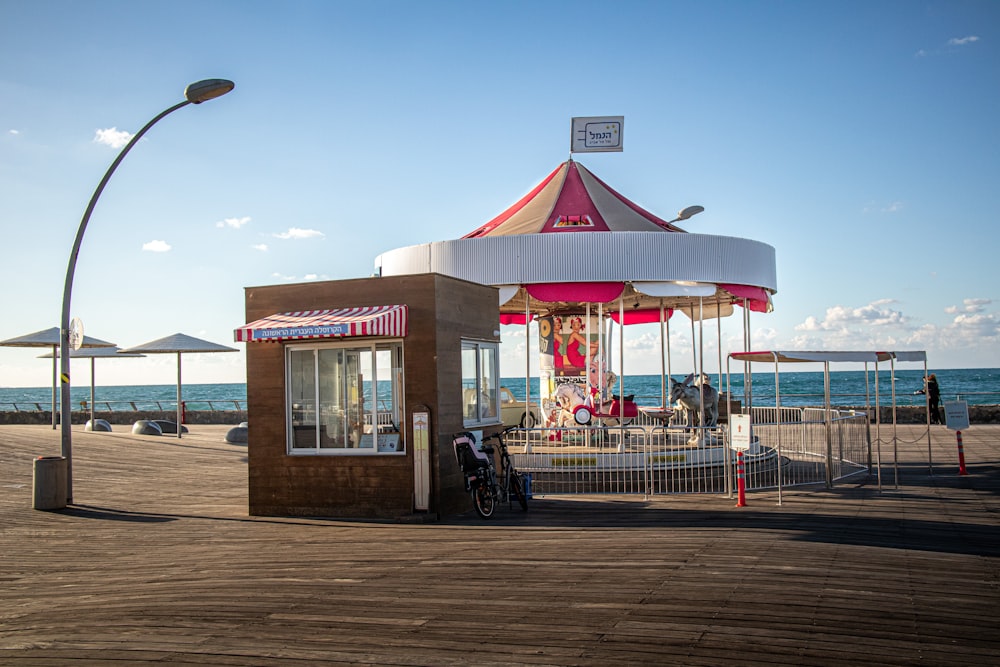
(158, 562)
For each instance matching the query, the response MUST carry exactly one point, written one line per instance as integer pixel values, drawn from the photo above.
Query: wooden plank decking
(157, 561)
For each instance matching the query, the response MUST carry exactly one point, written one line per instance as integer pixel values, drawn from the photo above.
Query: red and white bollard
(961, 455)
(741, 484)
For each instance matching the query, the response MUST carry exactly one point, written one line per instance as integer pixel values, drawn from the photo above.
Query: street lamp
(686, 213)
(196, 93)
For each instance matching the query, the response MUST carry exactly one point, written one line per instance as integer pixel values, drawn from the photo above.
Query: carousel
(579, 258)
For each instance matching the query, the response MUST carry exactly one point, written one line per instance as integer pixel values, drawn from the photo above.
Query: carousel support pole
(528, 420)
(718, 336)
(700, 364)
(777, 403)
(621, 378)
(663, 360)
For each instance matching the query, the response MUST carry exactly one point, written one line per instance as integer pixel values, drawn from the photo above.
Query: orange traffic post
(961, 455)
(741, 484)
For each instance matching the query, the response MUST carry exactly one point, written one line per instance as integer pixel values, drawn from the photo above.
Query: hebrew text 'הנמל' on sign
(595, 134)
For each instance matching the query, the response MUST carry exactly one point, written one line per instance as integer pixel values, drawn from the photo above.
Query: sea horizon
(977, 386)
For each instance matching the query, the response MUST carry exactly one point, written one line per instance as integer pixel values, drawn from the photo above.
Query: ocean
(977, 386)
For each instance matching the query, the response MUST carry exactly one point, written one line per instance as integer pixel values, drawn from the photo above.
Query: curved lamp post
(196, 93)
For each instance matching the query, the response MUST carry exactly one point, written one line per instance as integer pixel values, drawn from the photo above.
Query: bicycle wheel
(484, 501)
(517, 486)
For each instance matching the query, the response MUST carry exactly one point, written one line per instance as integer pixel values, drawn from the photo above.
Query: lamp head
(208, 89)
(686, 213)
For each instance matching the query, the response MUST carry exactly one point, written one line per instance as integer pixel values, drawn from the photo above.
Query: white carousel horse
(570, 397)
(691, 399)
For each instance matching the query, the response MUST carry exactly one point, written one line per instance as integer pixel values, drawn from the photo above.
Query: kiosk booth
(354, 388)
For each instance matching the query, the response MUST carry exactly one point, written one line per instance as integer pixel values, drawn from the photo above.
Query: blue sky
(860, 139)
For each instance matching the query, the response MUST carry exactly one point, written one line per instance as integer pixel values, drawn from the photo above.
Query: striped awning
(387, 321)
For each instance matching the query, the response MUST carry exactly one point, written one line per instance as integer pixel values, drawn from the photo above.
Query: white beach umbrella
(51, 338)
(179, 344)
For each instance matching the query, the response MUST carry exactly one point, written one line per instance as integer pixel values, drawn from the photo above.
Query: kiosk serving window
(345, 398)
(480, 383)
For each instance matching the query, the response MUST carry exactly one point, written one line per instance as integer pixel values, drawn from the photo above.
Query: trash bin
(49, 486)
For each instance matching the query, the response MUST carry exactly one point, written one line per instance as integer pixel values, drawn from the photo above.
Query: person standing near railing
(933, 393)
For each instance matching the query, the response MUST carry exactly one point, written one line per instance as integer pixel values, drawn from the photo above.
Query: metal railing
(213, 405)
(791, 447)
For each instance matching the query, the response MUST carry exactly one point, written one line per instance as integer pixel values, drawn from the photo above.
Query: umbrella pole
(55, 374)
(92, 424)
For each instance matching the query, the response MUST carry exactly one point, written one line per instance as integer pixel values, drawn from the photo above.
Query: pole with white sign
(956, 416)
(739, 440)
(596, 134)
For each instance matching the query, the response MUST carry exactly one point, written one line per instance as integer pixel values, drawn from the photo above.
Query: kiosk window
(480, 383)
(345, 398)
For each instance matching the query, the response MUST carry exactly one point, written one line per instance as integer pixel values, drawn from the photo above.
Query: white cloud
(260, 246)
(14, 131)
(112, 137)
(282, 277)
(843, 319)
(976, 305)
(233, 223)
(954, 41)
(297, 233)
(156, 246)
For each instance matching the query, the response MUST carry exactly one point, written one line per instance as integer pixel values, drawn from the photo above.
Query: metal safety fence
(790, 447)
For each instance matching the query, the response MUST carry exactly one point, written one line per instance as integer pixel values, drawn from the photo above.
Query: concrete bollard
(49, 485)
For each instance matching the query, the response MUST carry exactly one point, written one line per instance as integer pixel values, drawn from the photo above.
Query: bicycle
(481, 479)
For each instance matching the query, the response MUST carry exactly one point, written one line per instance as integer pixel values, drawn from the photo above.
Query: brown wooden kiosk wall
(442, 312)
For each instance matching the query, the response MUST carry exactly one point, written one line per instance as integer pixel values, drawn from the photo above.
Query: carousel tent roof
(535, 253)
(571, 199)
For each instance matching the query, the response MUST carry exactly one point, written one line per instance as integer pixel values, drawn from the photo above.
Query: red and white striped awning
(387, 321)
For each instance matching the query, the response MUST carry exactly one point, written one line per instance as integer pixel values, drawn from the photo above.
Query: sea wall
(123, 417)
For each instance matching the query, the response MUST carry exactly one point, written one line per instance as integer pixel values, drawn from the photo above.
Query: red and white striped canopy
(572, 199)
(387, 321)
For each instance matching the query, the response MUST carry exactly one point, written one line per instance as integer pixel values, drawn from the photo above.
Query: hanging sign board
(739, 432)
(596, 134)
(956, 415)
(76, 333)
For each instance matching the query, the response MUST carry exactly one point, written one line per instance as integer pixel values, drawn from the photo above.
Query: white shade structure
(51, 338)
(179, 344)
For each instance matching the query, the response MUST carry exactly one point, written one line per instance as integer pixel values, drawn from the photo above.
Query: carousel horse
(571, 397)
(691, 398)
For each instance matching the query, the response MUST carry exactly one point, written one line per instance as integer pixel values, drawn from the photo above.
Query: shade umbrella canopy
(93, 353)
(179, 344)
(51, 338)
